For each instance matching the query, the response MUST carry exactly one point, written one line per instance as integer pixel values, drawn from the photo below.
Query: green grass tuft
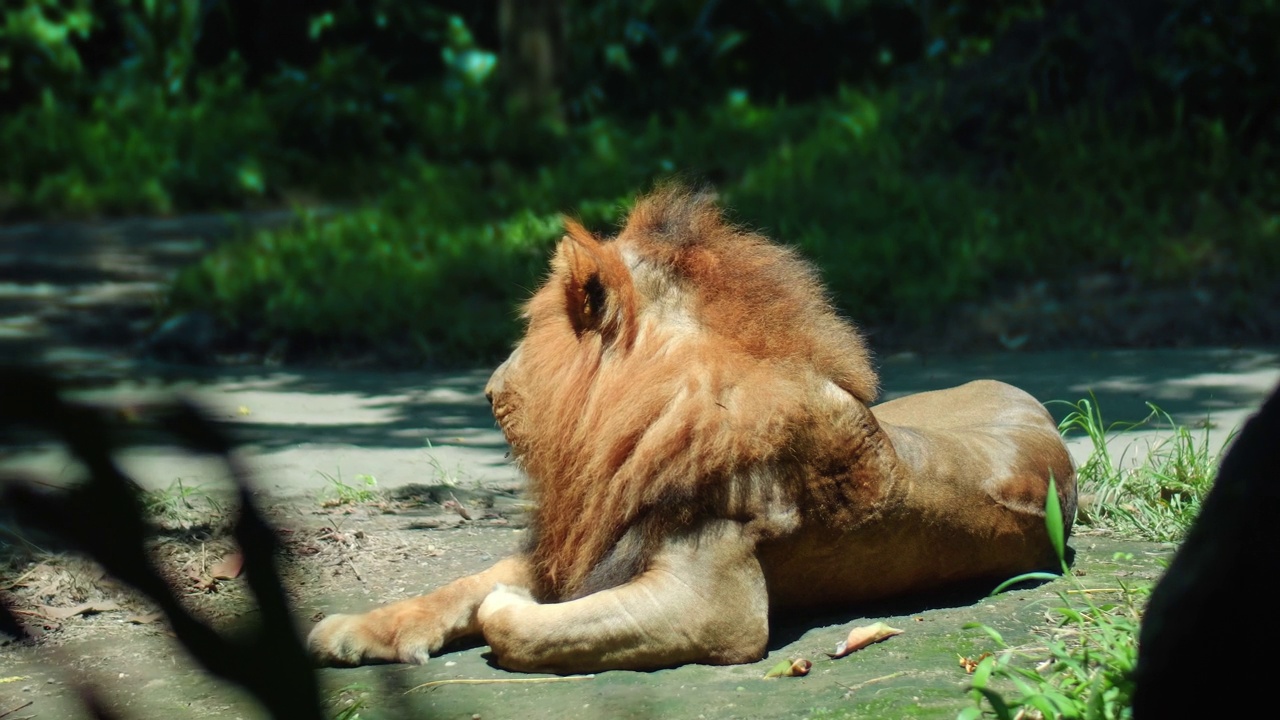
(181, 505)
(1084, 669)
(1155, 498)
(362, 489)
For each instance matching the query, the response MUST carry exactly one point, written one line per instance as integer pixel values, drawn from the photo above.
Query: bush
(903, 227)
(369, 281)
(138, 152)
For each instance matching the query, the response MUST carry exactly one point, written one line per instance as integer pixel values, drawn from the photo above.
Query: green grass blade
(1053, 522)
(990, 631)
(998, 704)
(1025, 577)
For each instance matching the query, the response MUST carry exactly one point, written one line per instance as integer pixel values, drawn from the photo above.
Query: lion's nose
(497, 380)
(494, 385)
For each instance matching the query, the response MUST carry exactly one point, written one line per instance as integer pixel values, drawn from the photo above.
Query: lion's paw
(346, 640)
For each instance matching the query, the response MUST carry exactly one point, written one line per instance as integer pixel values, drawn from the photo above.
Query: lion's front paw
(347, 640)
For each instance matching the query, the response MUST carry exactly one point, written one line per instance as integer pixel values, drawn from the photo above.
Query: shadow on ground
(299, 426)
(80, 297)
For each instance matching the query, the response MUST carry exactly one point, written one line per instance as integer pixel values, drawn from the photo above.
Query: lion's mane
(659, 366)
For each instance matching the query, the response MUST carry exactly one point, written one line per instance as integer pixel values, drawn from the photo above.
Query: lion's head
(655, 366)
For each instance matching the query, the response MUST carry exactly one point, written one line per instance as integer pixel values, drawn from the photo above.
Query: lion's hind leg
(412, 630)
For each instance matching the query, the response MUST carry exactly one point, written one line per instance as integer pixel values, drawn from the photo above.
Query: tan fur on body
(694, 420)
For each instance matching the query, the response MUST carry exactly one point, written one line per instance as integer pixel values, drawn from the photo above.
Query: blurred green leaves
(463, 57)
(874, 134)
(903, 234)
(162, 38)
(36, 41)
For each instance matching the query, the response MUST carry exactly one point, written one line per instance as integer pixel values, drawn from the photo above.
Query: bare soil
(354, 556)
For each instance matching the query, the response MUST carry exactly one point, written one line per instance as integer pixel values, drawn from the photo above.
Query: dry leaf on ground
(863, 636)
(89, 608)
(228, 568)
(144, 619)
(789, 668)
(971, 664)
(201, 583)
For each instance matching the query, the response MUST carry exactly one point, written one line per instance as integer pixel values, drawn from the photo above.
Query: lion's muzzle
(493, 390)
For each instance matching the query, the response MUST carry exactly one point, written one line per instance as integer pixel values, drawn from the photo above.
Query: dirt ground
(353, 557)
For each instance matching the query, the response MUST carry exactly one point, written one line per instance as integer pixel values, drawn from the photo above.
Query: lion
(696, 424)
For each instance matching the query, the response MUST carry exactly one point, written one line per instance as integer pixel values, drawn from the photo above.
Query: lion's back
(975, 404)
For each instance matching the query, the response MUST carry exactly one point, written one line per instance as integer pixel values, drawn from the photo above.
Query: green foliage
(1085, 668)
(362, 489)
(1084, 671)
(349, 702)
(436, 269)
(856, 150)
(1156, 496)
(375, 280)
(180, 505)
(163, 37)
(37, 41)
(136, 153)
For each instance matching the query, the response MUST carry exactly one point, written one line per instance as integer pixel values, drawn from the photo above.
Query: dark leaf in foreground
(104, 519)
(1232, 544)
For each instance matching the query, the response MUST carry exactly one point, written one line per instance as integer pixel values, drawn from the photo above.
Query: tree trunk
(532, 36)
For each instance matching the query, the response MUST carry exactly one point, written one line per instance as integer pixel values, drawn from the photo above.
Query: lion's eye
(593, 298)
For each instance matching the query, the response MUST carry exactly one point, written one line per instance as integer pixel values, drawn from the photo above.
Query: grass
(180, 505)
(362, 489)
(1084, 669)
(136, 152)
(442, 474)
(349, 701)
(1154, 496)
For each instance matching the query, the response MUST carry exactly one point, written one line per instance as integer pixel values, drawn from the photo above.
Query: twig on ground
(11, 711)
(18, 583)
(354, 569)
(864, 683)
(494, 681)
(459, 508)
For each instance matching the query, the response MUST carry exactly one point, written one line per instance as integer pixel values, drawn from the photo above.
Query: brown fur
(695, 423)
(646, 420)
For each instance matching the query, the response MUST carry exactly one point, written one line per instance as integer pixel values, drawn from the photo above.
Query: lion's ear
(597, 286)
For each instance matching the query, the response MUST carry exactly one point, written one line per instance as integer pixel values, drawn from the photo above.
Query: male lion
(693, 419)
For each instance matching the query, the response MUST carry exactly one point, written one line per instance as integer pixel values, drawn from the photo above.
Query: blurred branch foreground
(103, 518)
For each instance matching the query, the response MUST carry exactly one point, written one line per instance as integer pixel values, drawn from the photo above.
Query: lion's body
(694, 420)
(966, 501)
